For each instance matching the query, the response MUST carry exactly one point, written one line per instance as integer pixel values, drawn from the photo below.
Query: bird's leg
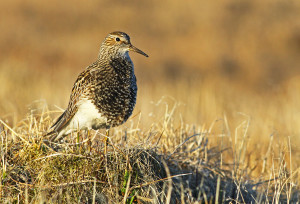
(88, 133)
(106, 141)
(89, 140)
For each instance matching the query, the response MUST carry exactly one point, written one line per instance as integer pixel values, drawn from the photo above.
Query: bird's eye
(118, 39)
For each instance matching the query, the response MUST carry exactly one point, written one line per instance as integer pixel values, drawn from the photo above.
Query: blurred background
(231, 59)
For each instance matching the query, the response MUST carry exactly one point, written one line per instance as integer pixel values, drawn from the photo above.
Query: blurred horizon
(253, 41)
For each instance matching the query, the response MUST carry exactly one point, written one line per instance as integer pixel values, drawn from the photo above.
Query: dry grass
(171, 163)
(218, 98)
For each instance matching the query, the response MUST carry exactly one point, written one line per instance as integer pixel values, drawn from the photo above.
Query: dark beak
(134, 49)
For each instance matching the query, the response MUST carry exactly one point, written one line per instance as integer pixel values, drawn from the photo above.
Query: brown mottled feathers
(79, 90)
(102, 86)
(105, 92)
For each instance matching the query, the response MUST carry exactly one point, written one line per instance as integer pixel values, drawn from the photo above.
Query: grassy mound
(82, 173)
(79, 171)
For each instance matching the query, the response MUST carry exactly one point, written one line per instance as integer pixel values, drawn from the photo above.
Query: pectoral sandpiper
(104, 94)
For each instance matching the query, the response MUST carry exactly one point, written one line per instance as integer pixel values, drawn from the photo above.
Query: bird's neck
(116, 61)
(109, 54)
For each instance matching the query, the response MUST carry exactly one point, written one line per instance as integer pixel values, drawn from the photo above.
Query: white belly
(87, 117)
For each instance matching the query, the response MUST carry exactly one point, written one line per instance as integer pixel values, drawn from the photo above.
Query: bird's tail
(54, 130)
(51, 135)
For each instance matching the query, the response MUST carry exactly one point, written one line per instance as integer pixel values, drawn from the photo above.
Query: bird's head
(118, 44)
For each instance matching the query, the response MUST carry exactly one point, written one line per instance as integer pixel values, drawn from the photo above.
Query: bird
(104, 94)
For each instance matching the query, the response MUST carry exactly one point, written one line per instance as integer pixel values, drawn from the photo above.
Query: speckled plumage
(104, 94)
